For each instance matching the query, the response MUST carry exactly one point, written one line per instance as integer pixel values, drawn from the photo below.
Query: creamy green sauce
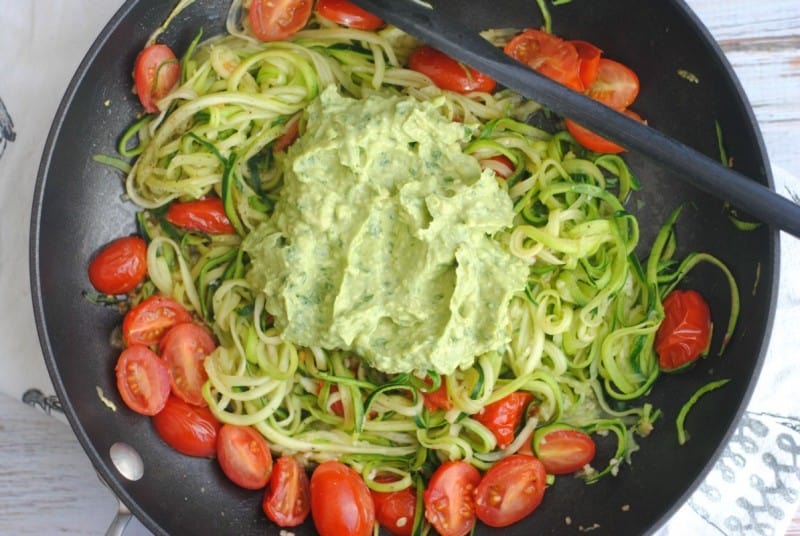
(382, 240)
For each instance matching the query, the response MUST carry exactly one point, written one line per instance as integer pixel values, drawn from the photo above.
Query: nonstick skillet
(78, 206)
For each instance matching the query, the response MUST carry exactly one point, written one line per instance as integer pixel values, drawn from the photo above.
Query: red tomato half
(395, 510)
(685, 332)
(550, 55)
(156, 72)
(615, 85)
(340, 501)
(150, 320)
(188, 429)
(510, 490)
(449, 499)
(275, 20)
(500, 164)
(590, 61)
(184, 348)
(120, 266)
(437, 399)
(142, 380)
(244, 456)
(287, 500)
(448, 73)
(204, 215)
(348, 14)
(564, 451)
(592, 141)
(504, 416)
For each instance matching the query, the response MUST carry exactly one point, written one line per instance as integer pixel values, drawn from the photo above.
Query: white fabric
(753, 489)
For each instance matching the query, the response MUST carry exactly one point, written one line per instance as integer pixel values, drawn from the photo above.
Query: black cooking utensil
(441, 26)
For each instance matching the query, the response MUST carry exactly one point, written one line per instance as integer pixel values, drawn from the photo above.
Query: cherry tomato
(142, 380)
(590, 61)
(120, 266)
(449, 499)
(395, 510)
(289, 135)
(204, 215)
(564, 451)
(348, 14)
(275, 20)
(244, 456)
(510, 490)
(437, 399)
(448, 73)
(592, 141)
(155, 74)
(188, 429)
(287, 499)
(150, 320)
(615, 86)
(685, 332)
(184, 348)
(504, 416)
(340, 501)
(500, 164)
(550, 55)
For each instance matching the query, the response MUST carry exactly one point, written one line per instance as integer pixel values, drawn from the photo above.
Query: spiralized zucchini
(581, 334)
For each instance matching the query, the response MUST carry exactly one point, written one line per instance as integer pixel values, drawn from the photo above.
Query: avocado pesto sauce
(382, 241)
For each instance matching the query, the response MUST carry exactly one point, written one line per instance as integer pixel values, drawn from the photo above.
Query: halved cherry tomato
(685, 332)
(184, 348)
(510, 490)
(348, 14)
(120, 266)
(448, 73)
(275, 20)
(142, 380)
(395, 510)
(564, 451)
(340, 501)
(437, 399)
(244, 456)
(150, 320)
(287, 499)
(156, 72)
(500, 164)
(550, 55)
(188, 429)
(615, 86)
(504, 416)
(449, 499)
(592, 141)
(590, 61)
(289, 135)
(204, 215)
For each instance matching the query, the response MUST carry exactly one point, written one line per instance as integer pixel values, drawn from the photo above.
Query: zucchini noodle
(581, 333)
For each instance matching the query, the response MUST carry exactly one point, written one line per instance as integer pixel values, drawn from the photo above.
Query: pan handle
(120, 521)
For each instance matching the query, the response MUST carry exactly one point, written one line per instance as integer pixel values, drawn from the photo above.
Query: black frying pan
(78, 207)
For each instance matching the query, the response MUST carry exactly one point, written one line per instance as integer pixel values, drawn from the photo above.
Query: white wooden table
(48, 486)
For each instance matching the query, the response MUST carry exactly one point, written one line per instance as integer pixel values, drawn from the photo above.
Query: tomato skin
(120, 266)
(685, 332)
(348, 14)
(449, 498)
(142, 380)
(155, 74)
(395, 510)
(287, 499)
(564, 451)
(203, 215)
(549, 55)
(184, 348)
(510, 490)
(275, 20)
(244, 456)
(150, 320)
(340, 501)
(592, 141)
(590, 61)
(503, 417)
(188, 429)
(448, 73)
(616, 85)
